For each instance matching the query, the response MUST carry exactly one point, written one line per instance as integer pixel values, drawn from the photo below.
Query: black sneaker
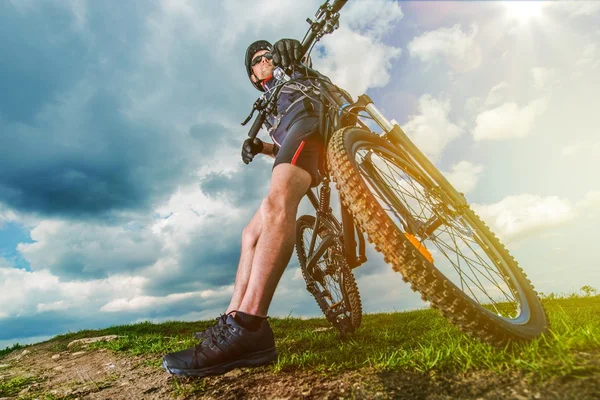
(230, 346)
(212, 329)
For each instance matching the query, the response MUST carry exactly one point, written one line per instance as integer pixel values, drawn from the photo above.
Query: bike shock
(324, 198)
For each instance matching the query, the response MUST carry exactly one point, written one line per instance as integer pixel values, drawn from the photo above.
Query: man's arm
(268, 149)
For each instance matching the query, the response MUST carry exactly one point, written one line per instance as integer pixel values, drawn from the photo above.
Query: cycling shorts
(303, 146)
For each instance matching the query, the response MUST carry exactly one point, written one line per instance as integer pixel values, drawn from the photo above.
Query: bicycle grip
(337, 5)
(260, 119)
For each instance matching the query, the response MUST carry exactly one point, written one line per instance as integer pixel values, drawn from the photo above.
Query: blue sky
(123, 195)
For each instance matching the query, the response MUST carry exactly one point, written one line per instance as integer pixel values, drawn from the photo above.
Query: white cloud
(148, 303)
(384, 290)
(590, 201)
(572, 149)
(459, 48)
(588, 57)
(495, 95)
(6, 215)
(10, 215)
(355, 57)
(29, 292)
(582, 148)
(575, 8)
(473, 105)
(543, 77)
(373, 18)
(464, 176)
(520, 216)
(508, 120)
(187, 211)
(523, 216)
(431, 130)
(87, 249)
(54, 306)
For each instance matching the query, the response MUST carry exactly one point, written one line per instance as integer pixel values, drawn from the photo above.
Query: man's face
(264, 68)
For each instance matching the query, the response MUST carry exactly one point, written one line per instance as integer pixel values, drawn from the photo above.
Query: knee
(250, 234)
(274, 210)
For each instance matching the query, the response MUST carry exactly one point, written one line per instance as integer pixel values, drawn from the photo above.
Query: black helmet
(253, 48)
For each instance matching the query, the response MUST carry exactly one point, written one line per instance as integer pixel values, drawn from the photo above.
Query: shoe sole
(250, 360)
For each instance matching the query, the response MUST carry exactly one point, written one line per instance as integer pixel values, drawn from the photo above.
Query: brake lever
(256, 106)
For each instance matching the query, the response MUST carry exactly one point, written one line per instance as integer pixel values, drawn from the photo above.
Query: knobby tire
(470, 316)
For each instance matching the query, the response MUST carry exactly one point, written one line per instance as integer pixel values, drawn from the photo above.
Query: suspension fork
(349, 229)
(349, 240)
(412, 226)
(397, 137)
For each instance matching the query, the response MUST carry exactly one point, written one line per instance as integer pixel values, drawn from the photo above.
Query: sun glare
(524, 11)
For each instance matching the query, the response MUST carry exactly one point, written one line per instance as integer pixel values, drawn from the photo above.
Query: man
(242, 336)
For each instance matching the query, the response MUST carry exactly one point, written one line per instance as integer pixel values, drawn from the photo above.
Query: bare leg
(275, 244)
(250, 236)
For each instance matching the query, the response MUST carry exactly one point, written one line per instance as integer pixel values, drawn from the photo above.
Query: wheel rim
(332, 279)
(459, 250)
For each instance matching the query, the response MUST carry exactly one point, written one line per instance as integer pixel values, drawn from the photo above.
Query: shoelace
(223, 331)
(219, 331)
(221, 319)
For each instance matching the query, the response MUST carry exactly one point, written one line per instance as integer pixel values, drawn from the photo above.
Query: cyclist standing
(242, 336)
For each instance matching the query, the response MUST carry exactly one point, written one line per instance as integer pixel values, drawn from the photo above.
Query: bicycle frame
(345, 113)
(448, 207)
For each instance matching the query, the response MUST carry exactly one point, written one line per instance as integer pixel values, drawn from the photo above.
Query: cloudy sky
(123, 195)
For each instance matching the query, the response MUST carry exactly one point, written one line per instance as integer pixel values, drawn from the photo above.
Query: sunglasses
(258, 59)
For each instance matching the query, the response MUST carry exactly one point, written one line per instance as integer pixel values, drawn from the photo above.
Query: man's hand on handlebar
(286, 52)
(250, 148)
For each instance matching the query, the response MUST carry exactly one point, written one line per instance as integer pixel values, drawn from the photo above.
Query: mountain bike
(422, 225)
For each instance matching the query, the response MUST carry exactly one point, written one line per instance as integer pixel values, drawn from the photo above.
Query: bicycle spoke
(472, 265)
(326, 279)
(474, 271)
(483, 264)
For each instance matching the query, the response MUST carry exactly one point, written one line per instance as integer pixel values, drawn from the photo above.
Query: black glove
(286, 52)
(250, 148)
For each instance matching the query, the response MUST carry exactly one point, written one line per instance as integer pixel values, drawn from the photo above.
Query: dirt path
(101, 374)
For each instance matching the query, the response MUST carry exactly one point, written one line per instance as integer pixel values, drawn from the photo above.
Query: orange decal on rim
(420, 246)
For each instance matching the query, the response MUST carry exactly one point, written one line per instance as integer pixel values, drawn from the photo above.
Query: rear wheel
(445, 251)
(329, 280)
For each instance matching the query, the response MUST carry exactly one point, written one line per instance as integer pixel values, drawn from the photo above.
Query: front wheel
(445, 251)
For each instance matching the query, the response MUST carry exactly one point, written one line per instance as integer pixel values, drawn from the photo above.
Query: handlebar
(337, 5)
(257, 124)
(317, 30)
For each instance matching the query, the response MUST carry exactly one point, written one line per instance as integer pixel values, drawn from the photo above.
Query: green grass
(10, 349)
(420, 341)
(13, 386)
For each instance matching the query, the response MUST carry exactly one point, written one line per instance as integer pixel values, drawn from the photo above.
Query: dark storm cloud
(112, 163)
(210, 136)
(31, 74)
(244, 188)
(44, 55)
(209, 260)
(42, 324)
(211, 257)
(66, 147)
